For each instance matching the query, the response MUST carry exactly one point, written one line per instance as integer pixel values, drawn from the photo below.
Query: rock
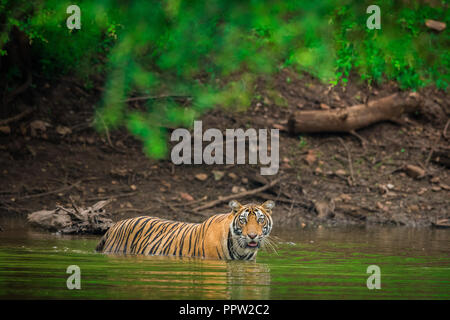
(5, 129)
(119, 172)
(218, 175)
(166, 184)
(343, 197)
(390, 194)
(444, 186)
(186, 196)
(311, 157)
(38, 126)
(435, 180)
(49, 220)
(90, 140)
(422, 191)
(120, 144)
(324, 209)
(382, 207)
(401, 219)
(414, 171)
(62, 130)
(237, 189)
(233, 176)
(435, 25)
(382, 189)
(201, 176)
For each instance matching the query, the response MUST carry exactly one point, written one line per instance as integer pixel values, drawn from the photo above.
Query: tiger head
(251, 223)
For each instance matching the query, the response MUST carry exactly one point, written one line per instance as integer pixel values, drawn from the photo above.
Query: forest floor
(54, 152)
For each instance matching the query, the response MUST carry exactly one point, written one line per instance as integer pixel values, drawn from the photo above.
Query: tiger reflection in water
(170, 277)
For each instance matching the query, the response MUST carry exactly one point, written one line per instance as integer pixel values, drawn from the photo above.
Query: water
(310, 264)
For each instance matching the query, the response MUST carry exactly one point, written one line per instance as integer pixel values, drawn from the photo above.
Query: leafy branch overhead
(213, 52)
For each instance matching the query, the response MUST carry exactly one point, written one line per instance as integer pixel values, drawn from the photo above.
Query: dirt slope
(328, 179)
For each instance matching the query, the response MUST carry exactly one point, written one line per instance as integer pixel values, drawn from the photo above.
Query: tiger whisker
(272, 241)
(267, 244)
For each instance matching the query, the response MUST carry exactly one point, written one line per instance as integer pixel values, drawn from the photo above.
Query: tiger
(236, 235)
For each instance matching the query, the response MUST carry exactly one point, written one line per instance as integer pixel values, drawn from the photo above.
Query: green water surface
(309, 264)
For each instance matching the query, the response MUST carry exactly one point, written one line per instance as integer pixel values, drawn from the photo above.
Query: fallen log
(355, 117)
(442, 223)
(237, 196)
(76, 220)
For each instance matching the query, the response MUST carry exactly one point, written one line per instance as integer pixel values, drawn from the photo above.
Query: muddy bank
(327, 179)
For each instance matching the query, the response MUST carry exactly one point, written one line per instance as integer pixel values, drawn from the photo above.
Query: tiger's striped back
(155, 236)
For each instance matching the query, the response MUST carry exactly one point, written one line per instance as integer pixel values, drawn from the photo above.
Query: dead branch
(108, 137)
(163, 96)
(433, 148)
(354, 117)
(19, 116)
(24, 86)
(237, 196)
(114, 196)
(349, 156)
(93, 220)
(444, 133)
(66, 188)
(292, 202)
(62, 189)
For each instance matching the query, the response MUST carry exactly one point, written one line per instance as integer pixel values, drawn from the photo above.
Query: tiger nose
(252, 235)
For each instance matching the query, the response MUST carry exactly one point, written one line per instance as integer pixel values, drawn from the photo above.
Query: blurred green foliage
(213, 51)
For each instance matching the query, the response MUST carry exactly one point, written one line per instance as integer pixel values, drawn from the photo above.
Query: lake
(308, 264)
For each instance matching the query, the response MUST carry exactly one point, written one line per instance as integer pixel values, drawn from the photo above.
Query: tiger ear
(268, 206)
(235, 206)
